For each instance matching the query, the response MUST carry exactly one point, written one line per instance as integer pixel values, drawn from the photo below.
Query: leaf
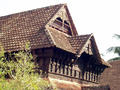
(117, 36)
(115, 50)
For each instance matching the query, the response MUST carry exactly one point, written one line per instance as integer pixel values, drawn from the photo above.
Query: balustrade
(68, 71)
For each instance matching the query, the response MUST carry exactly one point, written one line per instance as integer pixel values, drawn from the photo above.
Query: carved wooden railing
(67, 71)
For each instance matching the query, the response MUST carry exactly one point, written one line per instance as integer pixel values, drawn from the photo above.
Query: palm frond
(117, 36)
(115, 50)
(110, 49)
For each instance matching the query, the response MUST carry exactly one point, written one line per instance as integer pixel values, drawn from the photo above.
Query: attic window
(66, 25)
(59, 19)
(65, 22)
(62, 25)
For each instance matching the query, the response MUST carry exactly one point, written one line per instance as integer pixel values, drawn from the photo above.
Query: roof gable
(79, 42)
(64, 15)
(60, 40)
(19, 28)
(87, 44)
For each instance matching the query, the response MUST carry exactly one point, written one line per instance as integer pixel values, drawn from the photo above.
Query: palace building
(56, 47)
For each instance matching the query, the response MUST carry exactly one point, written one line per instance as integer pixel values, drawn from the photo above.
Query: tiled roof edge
(50, 38)
(80, 50)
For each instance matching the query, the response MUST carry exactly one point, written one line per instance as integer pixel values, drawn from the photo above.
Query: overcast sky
(100, 17)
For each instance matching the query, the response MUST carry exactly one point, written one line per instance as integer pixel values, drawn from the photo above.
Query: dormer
(62, 22)
(62, 25)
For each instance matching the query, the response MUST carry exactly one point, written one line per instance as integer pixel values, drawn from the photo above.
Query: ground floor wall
(70, 79)
(100, 87)
(60, 84)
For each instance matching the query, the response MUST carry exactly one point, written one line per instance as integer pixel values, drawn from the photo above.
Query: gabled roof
(31, 26)
(19, 28)
(60, 40)
(78, 42)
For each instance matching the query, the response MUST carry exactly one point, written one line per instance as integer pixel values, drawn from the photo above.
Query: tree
(115, 49)
(21, 69)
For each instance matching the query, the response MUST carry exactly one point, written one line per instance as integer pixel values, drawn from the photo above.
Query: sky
(100, 17)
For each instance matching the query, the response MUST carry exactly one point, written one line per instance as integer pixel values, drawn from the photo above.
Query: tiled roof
(30, 26)
(19, 28)
(111, 76)
(78, 42)
(105, 63)
(61, 40)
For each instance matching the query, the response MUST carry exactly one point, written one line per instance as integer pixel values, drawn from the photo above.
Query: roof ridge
(19, 12)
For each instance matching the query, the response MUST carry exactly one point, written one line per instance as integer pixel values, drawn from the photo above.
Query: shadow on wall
(105, 87)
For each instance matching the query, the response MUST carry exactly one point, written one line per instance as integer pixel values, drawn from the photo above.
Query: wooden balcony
(69, 72)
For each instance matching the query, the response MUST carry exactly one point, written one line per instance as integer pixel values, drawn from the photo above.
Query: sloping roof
(30, 26)
(106, 63)
(60, 40)
(111, 76)
(78, 42)
(19, 28)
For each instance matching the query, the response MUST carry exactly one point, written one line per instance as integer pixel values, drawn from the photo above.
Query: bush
(20, 68)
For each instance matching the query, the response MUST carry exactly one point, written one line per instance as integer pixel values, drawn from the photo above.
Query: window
(58, 21)
(61, 25)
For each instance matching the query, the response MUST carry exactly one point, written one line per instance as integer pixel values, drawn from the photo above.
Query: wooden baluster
(50, 66)
(54, 65)
(69, 71)
(65, 70)
(77, 74)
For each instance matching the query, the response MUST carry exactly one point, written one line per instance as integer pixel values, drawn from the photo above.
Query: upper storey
(44, 28)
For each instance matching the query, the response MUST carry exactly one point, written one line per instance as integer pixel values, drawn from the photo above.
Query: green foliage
(115, 49)
(117, 36)
(4, 64)
(21, 68)
(26, 83)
